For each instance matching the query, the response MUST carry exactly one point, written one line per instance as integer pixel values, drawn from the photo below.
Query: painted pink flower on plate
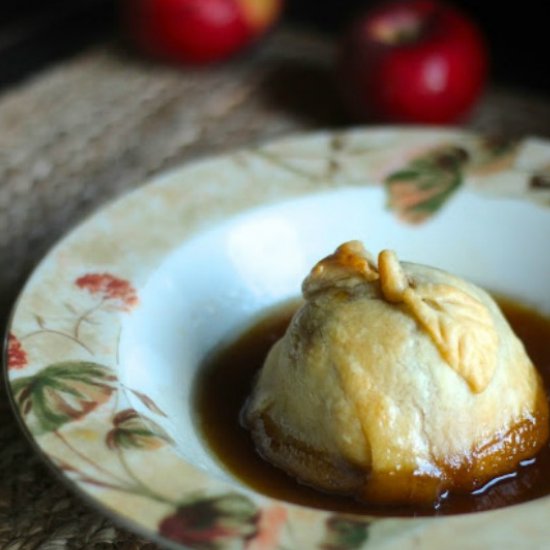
(271, 523)
(109, 287)
(17, 356)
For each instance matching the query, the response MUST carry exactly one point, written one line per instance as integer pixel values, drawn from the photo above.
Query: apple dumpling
(396, 383)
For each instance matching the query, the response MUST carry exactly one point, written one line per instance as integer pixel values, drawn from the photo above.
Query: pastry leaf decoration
(460, 326)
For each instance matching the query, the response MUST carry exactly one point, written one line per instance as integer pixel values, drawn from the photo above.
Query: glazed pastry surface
(395, 383)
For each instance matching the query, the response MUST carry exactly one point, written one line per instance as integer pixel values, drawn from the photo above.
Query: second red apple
(413, 61)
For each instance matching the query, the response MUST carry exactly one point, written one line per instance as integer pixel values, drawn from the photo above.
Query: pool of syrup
(226, 382)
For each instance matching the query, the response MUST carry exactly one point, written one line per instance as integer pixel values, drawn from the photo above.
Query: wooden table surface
(87, 130)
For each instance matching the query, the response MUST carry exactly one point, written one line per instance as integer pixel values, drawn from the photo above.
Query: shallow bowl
(110, 331)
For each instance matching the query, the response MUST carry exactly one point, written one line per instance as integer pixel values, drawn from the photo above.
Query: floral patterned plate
(110, 330)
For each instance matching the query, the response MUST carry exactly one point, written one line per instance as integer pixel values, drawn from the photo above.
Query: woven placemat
(91, 128)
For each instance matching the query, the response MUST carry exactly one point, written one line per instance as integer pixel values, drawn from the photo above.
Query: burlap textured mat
(91, 128)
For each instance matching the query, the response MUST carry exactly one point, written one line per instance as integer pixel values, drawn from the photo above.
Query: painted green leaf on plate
(133, 431)
(344, 533)
(420, 189)
(148, 402)
(493, 154)
(212, 523)
(540, 180)
(61, 393)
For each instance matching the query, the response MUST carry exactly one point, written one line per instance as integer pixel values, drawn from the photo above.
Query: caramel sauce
(227, 379)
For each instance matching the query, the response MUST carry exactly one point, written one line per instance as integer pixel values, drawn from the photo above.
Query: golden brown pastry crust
(395, 383)
(460, 325)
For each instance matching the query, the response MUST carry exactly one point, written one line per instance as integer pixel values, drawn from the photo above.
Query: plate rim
(106, 209)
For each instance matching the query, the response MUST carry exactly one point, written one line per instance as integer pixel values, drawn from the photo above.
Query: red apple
(413, 61)
(198, 31)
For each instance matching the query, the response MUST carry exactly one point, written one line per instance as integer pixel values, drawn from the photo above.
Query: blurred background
(34, 33)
